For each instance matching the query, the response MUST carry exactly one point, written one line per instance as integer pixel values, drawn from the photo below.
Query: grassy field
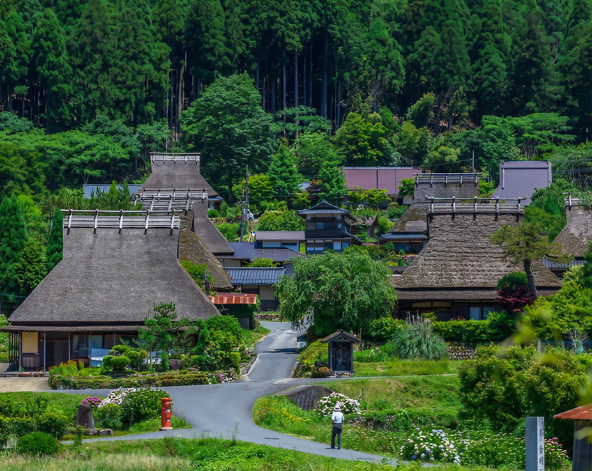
(181, 454)
(389, 405)
(405, 367)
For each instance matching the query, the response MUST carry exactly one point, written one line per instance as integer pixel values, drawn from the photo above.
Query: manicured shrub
(37, 443)
(21, 426)
(235, 359)
(119, 363)
(107, 361)
(224, 341)
(141, 405)
(53, 424)
(225, 324)
(418, 340)
(212, 213)
(109, 416)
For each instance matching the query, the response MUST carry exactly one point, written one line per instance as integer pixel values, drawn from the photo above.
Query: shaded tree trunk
(295, 79)
(304, 80)
(310, 76)
(324, 92)
(284, 104)
(530, 276)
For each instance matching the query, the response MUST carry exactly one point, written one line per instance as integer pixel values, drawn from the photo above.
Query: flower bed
(348, 406)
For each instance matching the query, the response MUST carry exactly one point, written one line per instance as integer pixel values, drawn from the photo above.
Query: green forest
(89, 88)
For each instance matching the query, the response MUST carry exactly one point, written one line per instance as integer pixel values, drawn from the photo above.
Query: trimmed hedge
(37, 443)
(150, 380)
(475, 332)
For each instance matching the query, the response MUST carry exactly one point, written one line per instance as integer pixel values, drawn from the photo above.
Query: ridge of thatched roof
(576, 234)
(459, 255)
(435, 185)
(193, 250)
(178, 175)
(112, 276)
(207, 232)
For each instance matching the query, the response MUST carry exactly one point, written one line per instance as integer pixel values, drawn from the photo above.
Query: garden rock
(175, 364)
(307, 397)
(84, 417)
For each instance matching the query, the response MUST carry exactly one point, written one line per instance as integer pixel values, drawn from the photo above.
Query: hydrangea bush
(117, 396)
(348, 406)
(555, 456)
(435, 445)
(92, 401)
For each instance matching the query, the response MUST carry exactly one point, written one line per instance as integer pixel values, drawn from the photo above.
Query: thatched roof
(460, 257)
(193, 250)
(437, 185)
(177, 174)
(207, 232)
(110, 277)
(577, 232)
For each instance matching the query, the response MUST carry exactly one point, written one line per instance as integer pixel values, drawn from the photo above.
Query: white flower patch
(117, 396)
(348, 406)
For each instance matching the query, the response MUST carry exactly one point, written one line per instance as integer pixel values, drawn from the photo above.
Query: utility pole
(473, 162)
(247, 196)
(242, 206)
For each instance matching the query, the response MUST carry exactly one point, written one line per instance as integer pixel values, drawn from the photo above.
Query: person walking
(337, 420)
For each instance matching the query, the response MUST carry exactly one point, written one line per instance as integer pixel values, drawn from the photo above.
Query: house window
(82, 343)
(480, 313)
(323, 225)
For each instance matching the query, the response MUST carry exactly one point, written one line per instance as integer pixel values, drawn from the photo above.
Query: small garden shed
(582, 448)
(341, 351)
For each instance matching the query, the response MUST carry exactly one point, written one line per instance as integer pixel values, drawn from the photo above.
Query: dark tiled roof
(255, 276)
(403, 236)
(296, 236)
(521, 178)
(341, 335)
(247, 251)
(323, 208)
(112, 277)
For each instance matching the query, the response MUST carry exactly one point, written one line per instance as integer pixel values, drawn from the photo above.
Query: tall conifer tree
(13, 237)
(55, 244)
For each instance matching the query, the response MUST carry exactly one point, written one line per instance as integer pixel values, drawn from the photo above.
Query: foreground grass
(406, 367)
(181, 454)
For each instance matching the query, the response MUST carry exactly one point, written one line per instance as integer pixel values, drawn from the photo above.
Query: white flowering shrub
(117, 396)
(348, 406)
(435, 445)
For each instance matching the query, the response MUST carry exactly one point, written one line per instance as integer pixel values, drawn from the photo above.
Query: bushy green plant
(498, 327)
(109, 416)
(418, 340)
(225, 324)
(224, 341)
(53, 424)
(21, 426)
(212, 213)
(383, 329)
(37, 443)
(320, 372)
(348, 406)
(512, 280)
(141, 405)
(119, 363)
(107, 361)
(235, 359)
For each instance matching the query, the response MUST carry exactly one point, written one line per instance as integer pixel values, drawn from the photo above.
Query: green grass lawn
(406, 367)
(170, 454)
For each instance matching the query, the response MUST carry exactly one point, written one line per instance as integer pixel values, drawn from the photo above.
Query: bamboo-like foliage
(418, 341)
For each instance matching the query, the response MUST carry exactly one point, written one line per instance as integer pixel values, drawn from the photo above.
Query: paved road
(215, 410)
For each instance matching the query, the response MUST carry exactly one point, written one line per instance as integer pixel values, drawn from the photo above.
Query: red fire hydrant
(166, 413)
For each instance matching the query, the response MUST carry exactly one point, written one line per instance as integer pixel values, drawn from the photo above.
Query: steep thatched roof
(110, 276)
(437, 185)
(460, 257)
(193, 250)
(577, 232)
(207, 232)
(177, 174)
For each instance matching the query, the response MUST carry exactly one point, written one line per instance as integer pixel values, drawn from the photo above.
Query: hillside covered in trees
(98, 85)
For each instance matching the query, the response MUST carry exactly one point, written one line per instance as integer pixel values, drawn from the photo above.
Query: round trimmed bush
(141, 405)
(107, 361)
(226, 324)
(53, 424)
(37, 443)
(119, 363)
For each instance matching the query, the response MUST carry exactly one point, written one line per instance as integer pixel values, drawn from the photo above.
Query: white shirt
(337, 418)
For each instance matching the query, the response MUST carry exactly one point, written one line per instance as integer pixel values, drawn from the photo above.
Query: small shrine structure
(341, 351)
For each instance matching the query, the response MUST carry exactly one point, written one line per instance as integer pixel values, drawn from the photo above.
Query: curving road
(217, 410)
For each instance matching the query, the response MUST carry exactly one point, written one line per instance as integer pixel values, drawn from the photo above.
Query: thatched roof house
(456, 273)
(176, 180)
(577, 233)
(114, 270)
(435, 185)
